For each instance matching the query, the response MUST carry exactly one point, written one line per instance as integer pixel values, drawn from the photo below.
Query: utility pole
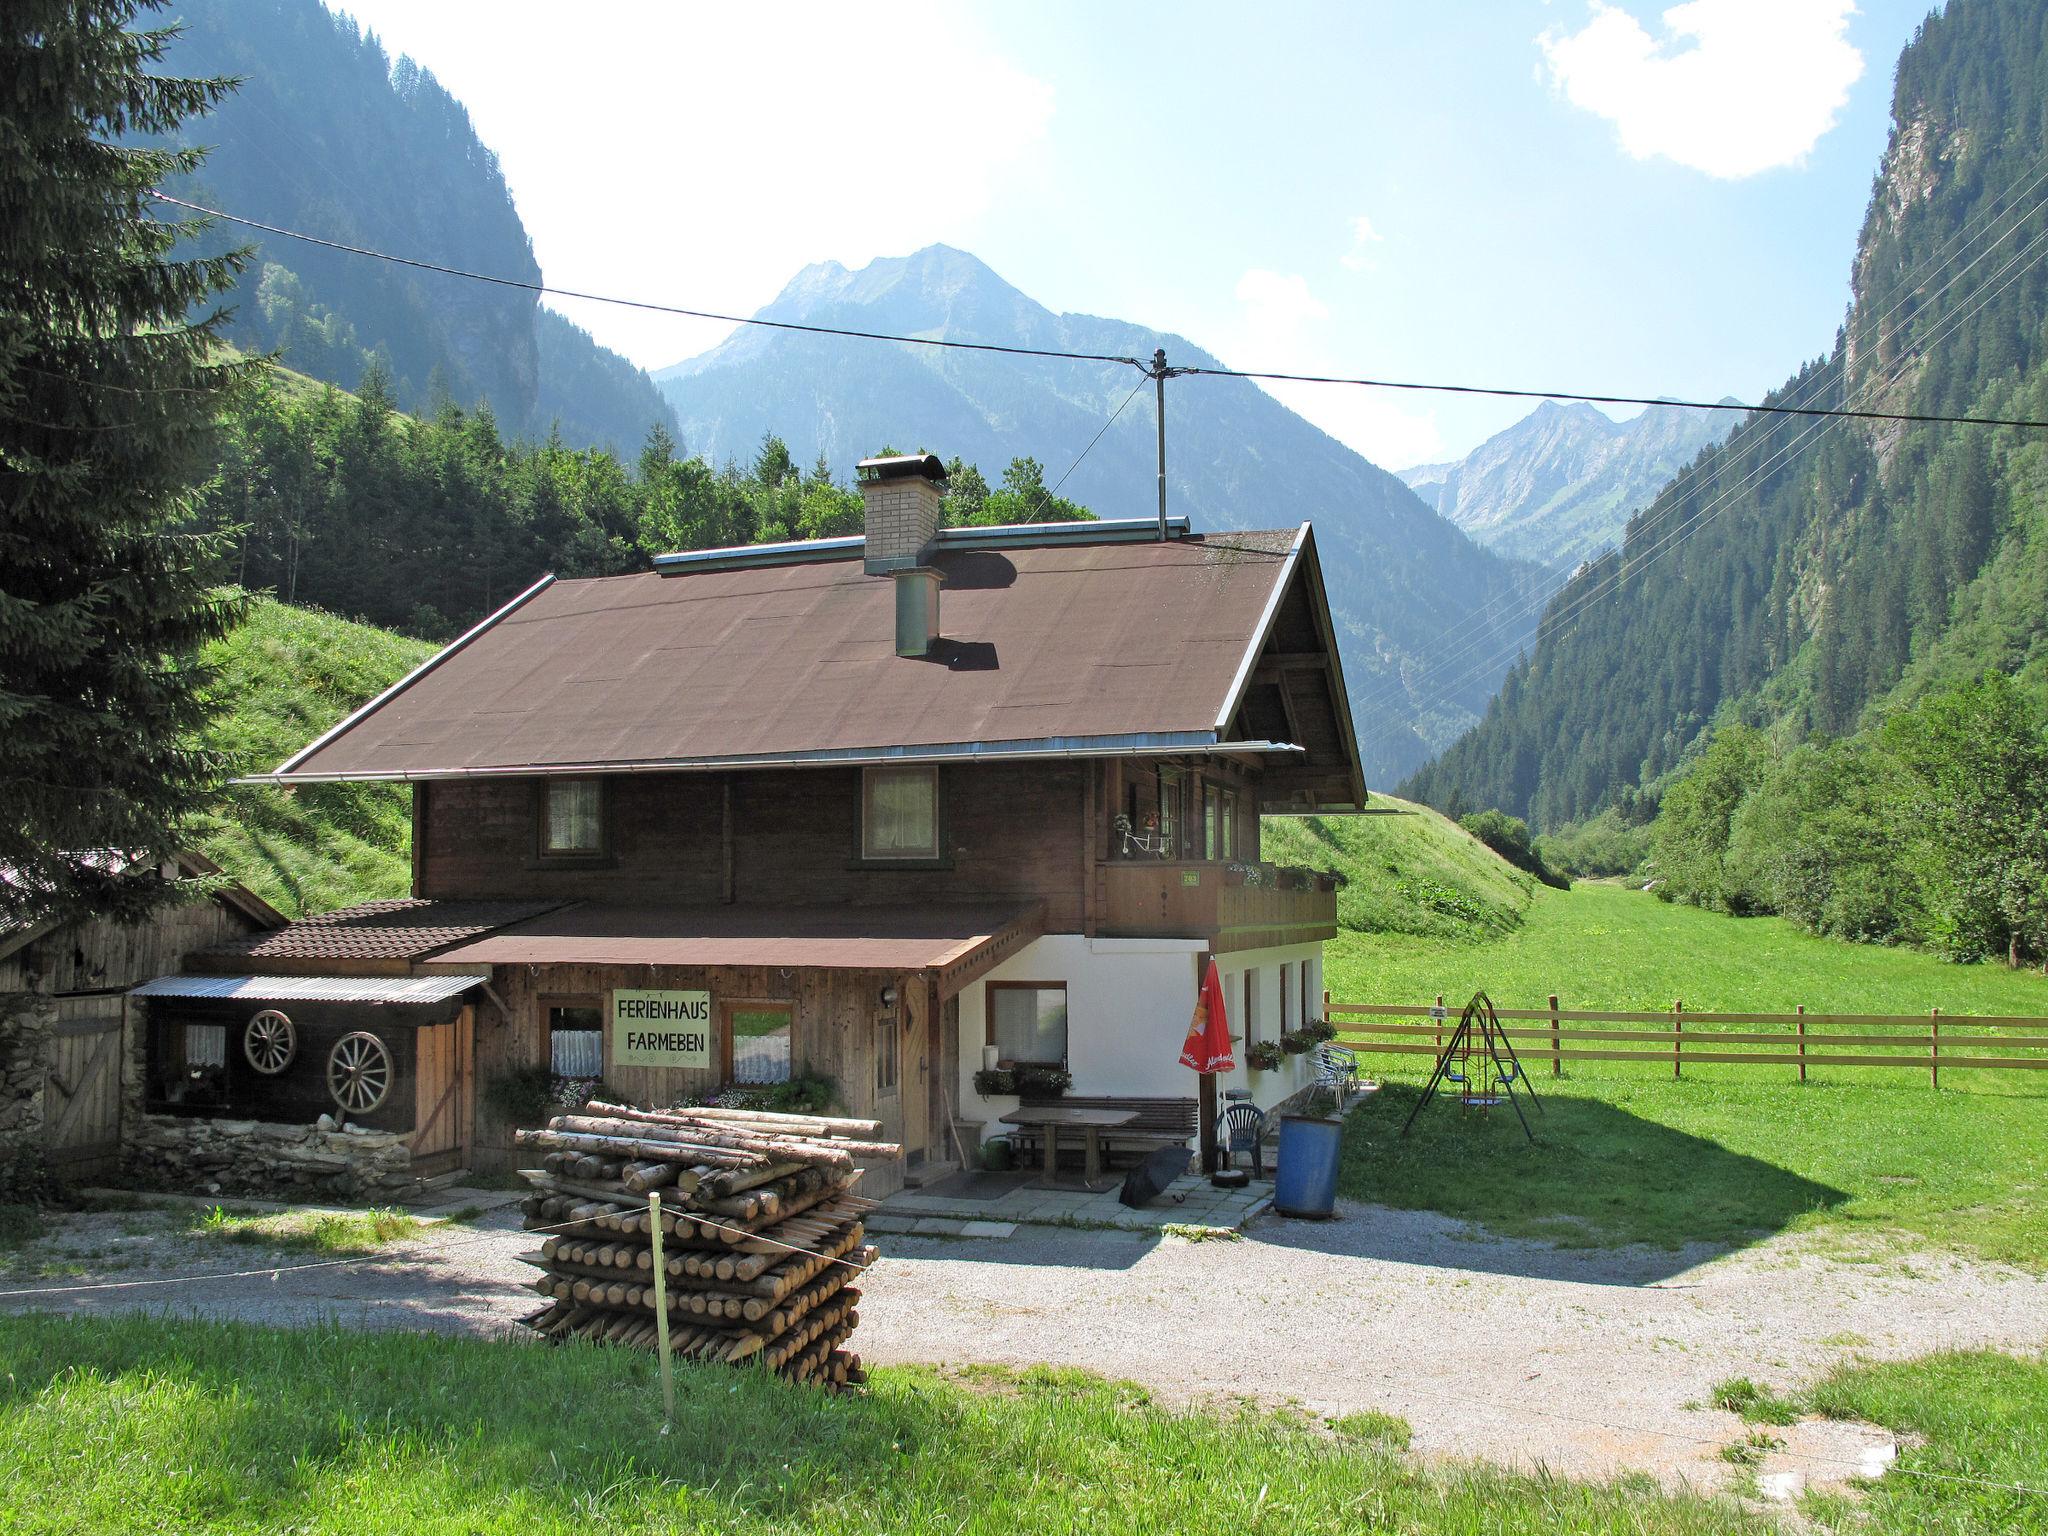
(1160, 373)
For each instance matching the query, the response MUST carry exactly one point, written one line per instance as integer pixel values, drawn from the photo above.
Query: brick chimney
(901, 496)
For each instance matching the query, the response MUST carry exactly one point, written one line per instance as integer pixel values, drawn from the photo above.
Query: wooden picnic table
(1050, 1118)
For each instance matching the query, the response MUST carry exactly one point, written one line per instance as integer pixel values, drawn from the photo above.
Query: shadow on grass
(1596, 1177)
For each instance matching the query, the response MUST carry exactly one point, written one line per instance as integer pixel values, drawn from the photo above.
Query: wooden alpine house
(889, 809)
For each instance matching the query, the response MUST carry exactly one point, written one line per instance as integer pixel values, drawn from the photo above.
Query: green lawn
(1625, 1154)
(1606, 946)
(115, 1424)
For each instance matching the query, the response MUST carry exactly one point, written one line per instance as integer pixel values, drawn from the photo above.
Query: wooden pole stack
(762, 1233)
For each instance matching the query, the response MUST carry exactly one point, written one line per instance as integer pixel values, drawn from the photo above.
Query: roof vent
(901, 500)
(917, 609)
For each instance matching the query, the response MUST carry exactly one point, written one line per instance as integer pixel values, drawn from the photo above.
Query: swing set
(1481, 1060)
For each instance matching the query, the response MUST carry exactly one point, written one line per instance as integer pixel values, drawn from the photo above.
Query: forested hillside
(426, 524)
(1806, 575)
(1236, 458)
(328, 135)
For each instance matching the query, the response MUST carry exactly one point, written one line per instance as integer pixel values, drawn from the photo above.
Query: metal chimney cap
(904, 466)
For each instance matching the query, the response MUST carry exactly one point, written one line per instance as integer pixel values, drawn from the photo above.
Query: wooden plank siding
(833, 1015)
(1010, 833)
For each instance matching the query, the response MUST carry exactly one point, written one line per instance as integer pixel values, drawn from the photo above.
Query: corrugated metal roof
(1063, 642)
(311, 989)
(835, 938)
(379, 930)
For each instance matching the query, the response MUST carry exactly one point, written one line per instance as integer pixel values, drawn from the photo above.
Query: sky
(1603, 197)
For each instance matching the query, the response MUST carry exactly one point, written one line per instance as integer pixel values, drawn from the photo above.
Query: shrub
(520, 1095)
(1039, 1082)
(1508, 836)
(1264, 1056)
(995, 1082)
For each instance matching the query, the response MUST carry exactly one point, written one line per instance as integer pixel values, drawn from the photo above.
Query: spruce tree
(108, 398)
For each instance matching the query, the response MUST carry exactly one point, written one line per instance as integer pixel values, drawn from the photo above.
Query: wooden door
(82, 1088)
(918, 1023)
(441, 1112)
(885, 1065)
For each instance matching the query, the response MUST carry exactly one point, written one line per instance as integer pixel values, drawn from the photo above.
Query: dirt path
(1510, 1351)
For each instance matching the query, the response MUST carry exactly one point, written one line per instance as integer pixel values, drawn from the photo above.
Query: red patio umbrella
(1207, 1048)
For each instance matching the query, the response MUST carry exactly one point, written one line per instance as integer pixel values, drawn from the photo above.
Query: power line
(646, 304)
(1635, 562)
(1098, 436)
(1090, 357)
(1565, 394)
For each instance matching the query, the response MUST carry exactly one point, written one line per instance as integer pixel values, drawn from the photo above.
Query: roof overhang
(309, 989)
(1136, 743)
(955, 943)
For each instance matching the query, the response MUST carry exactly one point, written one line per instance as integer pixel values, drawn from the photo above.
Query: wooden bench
(1159, 1123)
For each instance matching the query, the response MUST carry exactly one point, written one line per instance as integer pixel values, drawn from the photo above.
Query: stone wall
(26, 1019)
(259, 1158)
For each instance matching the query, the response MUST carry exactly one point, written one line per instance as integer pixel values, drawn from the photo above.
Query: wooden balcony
(1234, 906)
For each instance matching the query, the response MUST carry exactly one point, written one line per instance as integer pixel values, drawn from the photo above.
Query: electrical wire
(1084, 357)
(643, 304)
(1634, 563)
(1393, 691)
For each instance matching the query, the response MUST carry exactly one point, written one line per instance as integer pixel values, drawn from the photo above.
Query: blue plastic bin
(1305, 1183)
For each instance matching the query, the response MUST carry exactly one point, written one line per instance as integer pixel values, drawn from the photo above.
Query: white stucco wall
(1128, 1006)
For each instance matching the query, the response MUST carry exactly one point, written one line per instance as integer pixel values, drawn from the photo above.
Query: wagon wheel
(359, 1072)
(270, 1042)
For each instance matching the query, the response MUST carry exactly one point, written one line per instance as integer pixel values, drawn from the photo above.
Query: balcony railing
(1235, 906)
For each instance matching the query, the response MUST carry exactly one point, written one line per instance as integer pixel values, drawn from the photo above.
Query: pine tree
(108, 397)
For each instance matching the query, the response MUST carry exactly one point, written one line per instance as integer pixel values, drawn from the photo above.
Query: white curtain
(902, 813)
(1030, 1023)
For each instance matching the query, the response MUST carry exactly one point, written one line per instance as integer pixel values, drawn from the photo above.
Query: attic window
(899, 813)
(572, 821)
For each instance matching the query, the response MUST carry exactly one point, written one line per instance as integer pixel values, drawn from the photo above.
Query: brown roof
(1045, 647)
(837, 938)
(380, 930)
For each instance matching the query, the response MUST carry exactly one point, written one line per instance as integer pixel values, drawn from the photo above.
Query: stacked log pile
(762, 1234)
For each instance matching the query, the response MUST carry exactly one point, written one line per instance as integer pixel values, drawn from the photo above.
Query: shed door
(82, 1094)
(441, 1110)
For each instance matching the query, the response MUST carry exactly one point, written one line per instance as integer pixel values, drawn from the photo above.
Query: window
(1287, 1015)
(760, 1042)
(575, 1038)
(572, 823)
(1251, 1007)
(1027, 1022)
(1169, 811)
(1229, 824)
(189, 1064)
(885, 1056)
(1309, 1000)
(899, 813)
(1212, 830)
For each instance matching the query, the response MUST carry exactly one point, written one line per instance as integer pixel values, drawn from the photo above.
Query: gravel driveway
(1512, 1351)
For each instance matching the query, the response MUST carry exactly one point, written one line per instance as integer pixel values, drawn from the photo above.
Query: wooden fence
(1798, 1040)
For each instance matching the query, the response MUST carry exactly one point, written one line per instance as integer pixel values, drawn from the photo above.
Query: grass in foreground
(329, 1232)
(221, 1427)
(226, 1427)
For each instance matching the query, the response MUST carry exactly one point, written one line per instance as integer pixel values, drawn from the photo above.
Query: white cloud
(1277, 331)
(1734, 87)
(728, 146)
(1363, 236)
(1278, 304)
